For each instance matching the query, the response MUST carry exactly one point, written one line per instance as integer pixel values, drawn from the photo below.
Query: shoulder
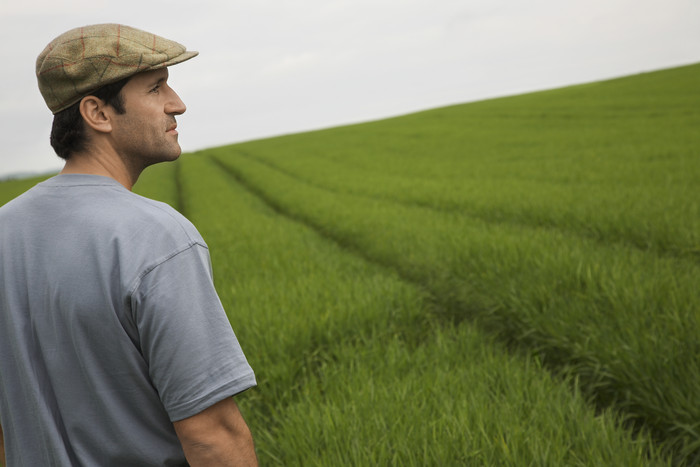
(14, 205)
(158, 218)
(96, 209)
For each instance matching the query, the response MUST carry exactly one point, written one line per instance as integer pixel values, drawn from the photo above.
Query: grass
(564, 222)
(586, 308)
(355, 369)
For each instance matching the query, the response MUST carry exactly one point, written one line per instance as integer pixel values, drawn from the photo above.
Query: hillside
(505, 282)
(563, 223)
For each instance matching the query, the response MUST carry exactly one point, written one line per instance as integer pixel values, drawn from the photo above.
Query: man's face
(145, 134)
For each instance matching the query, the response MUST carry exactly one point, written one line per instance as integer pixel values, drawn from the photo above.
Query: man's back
(109, 323)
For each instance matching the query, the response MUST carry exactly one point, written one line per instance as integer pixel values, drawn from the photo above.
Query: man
(114, 347)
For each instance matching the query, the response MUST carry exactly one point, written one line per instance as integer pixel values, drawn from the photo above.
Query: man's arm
(217, 436)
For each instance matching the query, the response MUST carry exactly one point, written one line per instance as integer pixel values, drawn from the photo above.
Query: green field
(506, 282)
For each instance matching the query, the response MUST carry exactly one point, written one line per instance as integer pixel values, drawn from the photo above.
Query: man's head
(96, 61)
(145, 133)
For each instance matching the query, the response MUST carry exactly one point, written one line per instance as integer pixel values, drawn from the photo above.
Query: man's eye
(155, 89)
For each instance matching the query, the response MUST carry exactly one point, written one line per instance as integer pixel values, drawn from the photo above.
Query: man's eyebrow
(160, 80)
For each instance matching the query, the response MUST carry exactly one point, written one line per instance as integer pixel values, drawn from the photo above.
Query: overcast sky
(270, 67)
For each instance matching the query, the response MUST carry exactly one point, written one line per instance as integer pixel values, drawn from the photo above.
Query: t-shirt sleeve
(193, 356)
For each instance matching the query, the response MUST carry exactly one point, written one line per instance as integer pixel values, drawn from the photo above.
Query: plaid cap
(83, 60)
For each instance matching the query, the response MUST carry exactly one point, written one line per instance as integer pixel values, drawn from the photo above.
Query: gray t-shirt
(110, 327)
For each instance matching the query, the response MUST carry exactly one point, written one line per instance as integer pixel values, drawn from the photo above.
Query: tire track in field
(447, 309)
(279, 210)
(679, 253)
(440, 311)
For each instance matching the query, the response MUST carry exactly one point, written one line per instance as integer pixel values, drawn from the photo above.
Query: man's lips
(172, 130)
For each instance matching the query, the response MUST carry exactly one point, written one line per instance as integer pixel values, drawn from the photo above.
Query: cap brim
(179, 59)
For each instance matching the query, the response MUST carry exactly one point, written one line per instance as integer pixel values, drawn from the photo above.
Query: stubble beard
(149, 144)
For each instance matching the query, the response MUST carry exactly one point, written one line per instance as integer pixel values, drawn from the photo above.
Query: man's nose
(175, 106)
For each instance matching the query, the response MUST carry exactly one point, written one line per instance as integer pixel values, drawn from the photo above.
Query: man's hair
(68, 129)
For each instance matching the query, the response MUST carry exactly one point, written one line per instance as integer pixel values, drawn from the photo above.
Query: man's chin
(171, 157)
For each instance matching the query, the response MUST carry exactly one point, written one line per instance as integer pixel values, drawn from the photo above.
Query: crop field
(506, 282)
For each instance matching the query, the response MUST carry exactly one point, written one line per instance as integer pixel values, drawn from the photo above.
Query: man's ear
(95, 114)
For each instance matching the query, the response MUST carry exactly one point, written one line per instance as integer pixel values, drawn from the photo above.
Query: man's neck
(97, 163)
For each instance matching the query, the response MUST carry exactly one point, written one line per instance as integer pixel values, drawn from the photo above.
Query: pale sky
(270, 67)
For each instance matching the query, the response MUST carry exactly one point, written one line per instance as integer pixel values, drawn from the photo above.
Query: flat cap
(83, 60)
